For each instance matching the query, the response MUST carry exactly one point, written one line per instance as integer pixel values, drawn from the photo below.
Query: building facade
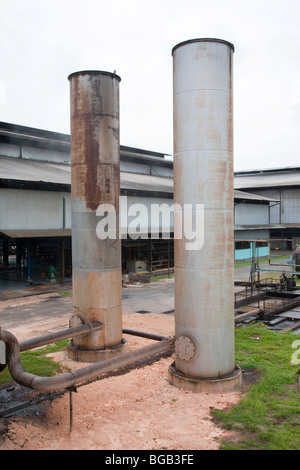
(35, 207)
(282, 186)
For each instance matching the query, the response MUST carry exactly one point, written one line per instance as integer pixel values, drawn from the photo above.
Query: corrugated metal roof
(135, 181)
(252, 197)
(267, 179)
(20, 169)
(267, 227)
(15, 133)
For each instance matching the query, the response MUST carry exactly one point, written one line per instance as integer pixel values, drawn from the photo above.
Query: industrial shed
(282, 186)
(35, 205)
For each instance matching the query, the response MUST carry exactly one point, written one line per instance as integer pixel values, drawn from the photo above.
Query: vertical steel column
(95, 172)
(203, 174)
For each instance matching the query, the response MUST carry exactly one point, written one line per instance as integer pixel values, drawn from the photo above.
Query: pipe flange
(76, 321)
(185, 348)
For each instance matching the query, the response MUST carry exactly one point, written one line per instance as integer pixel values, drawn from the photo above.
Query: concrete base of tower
(95, 355)
(228, 383)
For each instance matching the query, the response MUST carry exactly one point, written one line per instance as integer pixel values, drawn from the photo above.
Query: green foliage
(159, 278)
(65, 294)
(268, 415)
(36, 362)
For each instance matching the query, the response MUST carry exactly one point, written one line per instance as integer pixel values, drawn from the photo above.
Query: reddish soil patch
(138, 410)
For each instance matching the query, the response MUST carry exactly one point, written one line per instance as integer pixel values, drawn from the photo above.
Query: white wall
(33, 210)
(251, 214)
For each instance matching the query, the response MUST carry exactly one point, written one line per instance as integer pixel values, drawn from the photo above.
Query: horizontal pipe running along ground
(142, 334)
(242, 316)
(60, 335)
(69, 379)
(78, 331)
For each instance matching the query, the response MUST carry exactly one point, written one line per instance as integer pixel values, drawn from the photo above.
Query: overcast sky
(43, 41)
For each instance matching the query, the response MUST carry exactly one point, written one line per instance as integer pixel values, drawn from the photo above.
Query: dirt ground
(138, 410)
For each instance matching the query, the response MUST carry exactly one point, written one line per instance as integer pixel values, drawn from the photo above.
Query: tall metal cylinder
(95, 180)
(203, 174)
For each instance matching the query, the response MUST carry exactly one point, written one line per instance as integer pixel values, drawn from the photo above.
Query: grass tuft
(37, 363)
(268, 415)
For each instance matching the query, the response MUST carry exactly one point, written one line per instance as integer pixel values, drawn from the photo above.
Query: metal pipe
(203, 174)
(95, 182)
(142, 334)
(284, 265)
(59, 335)
(275, 271)
(63, 381)
(252, 313)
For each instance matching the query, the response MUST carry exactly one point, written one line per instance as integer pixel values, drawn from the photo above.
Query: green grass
(36, 362)
(158, 278)
(268, 416)
(263, 259)
(65, 294)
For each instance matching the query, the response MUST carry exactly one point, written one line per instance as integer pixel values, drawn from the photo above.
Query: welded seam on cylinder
(202, 150)
(79, 115)
(95, 164)
(96, 270)
(220, 90)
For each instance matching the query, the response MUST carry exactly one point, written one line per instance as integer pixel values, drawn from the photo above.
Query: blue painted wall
(246, 253)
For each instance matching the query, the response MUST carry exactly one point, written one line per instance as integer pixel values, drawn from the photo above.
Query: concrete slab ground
(56, 301)
(50, 301)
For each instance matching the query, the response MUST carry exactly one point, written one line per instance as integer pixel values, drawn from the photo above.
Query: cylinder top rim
(190, 41)
(94, 72)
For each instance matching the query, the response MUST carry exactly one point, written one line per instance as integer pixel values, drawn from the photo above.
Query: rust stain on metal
(203, 174)
(95, 156)
(95, 180)
(97, 297)
(97, 184)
